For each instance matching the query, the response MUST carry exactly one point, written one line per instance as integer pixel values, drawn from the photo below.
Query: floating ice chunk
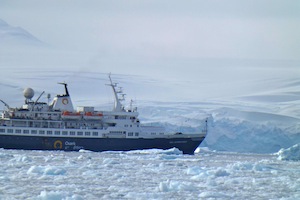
(221, 172)
(197, 150)
(46, 170)
(168, 185)
(213, 195)
(199, 172)
(54, 171)
(110, 161)
(292, 153)
(255, 167)
(195, 170)
(55, 195)
(23, 159)
(242, 166)
(143, 195)
(85, 151)
(172, 151)
(5, 156)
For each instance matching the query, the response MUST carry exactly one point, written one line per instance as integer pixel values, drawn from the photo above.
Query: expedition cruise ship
(57, 126)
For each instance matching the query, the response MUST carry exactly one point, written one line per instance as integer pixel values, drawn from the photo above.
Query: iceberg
(292, 153)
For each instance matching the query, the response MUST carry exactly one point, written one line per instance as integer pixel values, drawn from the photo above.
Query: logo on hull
(58, 144)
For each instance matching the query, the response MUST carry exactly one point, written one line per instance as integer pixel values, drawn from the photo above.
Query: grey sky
(256, 29)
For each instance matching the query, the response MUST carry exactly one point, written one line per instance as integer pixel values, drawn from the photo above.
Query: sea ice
(140, 175)
(46, 170)
(170, 185)
(56, 195)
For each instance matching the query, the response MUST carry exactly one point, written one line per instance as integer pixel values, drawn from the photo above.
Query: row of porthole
(42, 132)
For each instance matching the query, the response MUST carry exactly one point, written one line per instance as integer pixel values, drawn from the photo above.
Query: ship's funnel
(63, 102)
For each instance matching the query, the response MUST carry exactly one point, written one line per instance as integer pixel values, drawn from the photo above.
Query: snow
(16, 36)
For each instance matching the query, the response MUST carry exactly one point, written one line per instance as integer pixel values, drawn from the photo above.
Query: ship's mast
(118, 105)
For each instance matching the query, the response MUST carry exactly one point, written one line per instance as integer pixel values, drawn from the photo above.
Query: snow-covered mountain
(10, 35)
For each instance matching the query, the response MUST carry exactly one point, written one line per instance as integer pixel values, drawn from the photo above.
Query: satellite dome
(28, 93)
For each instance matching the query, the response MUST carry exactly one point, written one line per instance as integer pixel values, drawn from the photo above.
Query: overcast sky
(222, 47)
(256, 29)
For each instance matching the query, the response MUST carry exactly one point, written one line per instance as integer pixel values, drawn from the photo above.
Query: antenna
(131, 102)
(48, 97)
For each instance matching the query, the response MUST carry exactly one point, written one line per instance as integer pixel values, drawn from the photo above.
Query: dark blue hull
(186, 145)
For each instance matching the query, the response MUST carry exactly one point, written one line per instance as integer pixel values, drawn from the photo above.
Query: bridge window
(87, 133)
(33, 131)
(72, 132)
(2, 130)
(64, 133)
(26, 131)
(42, 132)
(18, 131)
(79, 133)
(10, 131)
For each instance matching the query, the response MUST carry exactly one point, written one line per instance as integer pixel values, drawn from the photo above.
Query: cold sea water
(149, 174)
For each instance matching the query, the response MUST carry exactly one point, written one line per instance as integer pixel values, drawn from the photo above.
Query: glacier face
(229, 128)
